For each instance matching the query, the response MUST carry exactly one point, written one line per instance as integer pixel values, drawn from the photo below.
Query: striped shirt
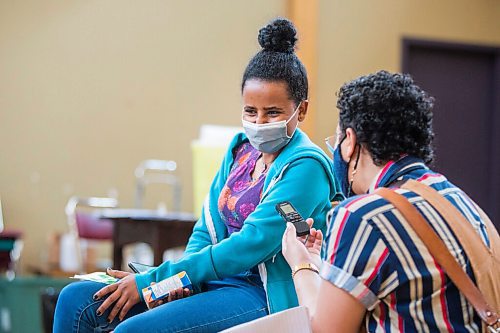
(373, 253)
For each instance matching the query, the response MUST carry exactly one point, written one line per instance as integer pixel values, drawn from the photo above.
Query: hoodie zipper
(208, 220)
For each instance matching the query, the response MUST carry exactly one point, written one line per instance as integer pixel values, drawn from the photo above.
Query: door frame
(410, 42)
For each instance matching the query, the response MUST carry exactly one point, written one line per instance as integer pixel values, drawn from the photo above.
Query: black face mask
(341, 167)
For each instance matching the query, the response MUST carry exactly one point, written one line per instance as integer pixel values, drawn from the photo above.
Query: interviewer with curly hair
(376, 273)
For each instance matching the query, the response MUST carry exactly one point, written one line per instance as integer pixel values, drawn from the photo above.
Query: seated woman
(376, 273)
(233, 257)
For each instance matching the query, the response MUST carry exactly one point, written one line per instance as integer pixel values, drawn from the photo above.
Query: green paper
(101, 277)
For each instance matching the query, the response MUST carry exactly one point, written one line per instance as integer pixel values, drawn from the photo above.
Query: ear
(349, 142)
(303, 110)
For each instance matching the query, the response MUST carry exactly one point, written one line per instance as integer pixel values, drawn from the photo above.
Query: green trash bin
(21, 302)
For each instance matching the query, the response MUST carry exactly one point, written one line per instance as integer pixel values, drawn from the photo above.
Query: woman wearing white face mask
(233, 257)
(268, 137)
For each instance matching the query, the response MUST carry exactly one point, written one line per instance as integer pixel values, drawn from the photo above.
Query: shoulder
(305, 174)
(367, 211)
(361, 205)
(302, 143)
(352, 212)
(301, 150)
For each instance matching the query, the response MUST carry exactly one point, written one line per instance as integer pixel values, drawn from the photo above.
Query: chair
(10, 251)
(157, 172)
(87, 228)
(1, 216)
(149, 172)
(10, 248)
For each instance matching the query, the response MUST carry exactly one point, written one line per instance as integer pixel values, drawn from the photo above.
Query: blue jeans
(221, 305)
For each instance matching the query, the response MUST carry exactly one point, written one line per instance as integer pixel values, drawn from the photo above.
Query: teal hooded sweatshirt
(301, 174)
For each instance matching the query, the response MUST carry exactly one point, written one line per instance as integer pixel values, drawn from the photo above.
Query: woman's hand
(173, 295)
(123, 294)
(178, 294)
(303, 249)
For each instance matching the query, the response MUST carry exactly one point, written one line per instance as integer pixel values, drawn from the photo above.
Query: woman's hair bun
(278, 36)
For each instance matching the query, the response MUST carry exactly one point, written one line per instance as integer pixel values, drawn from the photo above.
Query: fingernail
(98, 313)
(109, 269)
(95, 297)
(109, 321)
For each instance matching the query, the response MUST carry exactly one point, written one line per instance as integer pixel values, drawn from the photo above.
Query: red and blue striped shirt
(373, 253)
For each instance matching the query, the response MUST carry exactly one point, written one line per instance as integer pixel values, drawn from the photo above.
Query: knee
(76, 309)
(71, 291)
(77, 294)
(67, 295)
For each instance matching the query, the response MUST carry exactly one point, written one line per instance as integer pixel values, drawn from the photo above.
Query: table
(22, 305)
(160, 230)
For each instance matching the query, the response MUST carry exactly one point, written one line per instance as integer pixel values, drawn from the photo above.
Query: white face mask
(269, 137)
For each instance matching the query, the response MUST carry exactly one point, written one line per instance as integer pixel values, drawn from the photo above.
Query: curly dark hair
(390, 115)
(277, 60)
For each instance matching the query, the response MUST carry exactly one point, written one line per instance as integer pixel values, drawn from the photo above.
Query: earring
(352, 175)
(354, 170)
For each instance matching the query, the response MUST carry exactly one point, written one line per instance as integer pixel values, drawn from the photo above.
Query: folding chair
(157, 172)
(10, 248)
(87, 228)
(154, 171)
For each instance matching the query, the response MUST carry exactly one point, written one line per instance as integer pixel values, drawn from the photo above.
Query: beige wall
(359, 37)
(90, 88)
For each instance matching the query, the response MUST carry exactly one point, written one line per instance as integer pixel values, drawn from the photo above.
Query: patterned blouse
(241, 194)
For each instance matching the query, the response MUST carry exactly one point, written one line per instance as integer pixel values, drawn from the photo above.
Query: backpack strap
(491, 231)
(479, 254)
(463, 229)
(442, 255)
